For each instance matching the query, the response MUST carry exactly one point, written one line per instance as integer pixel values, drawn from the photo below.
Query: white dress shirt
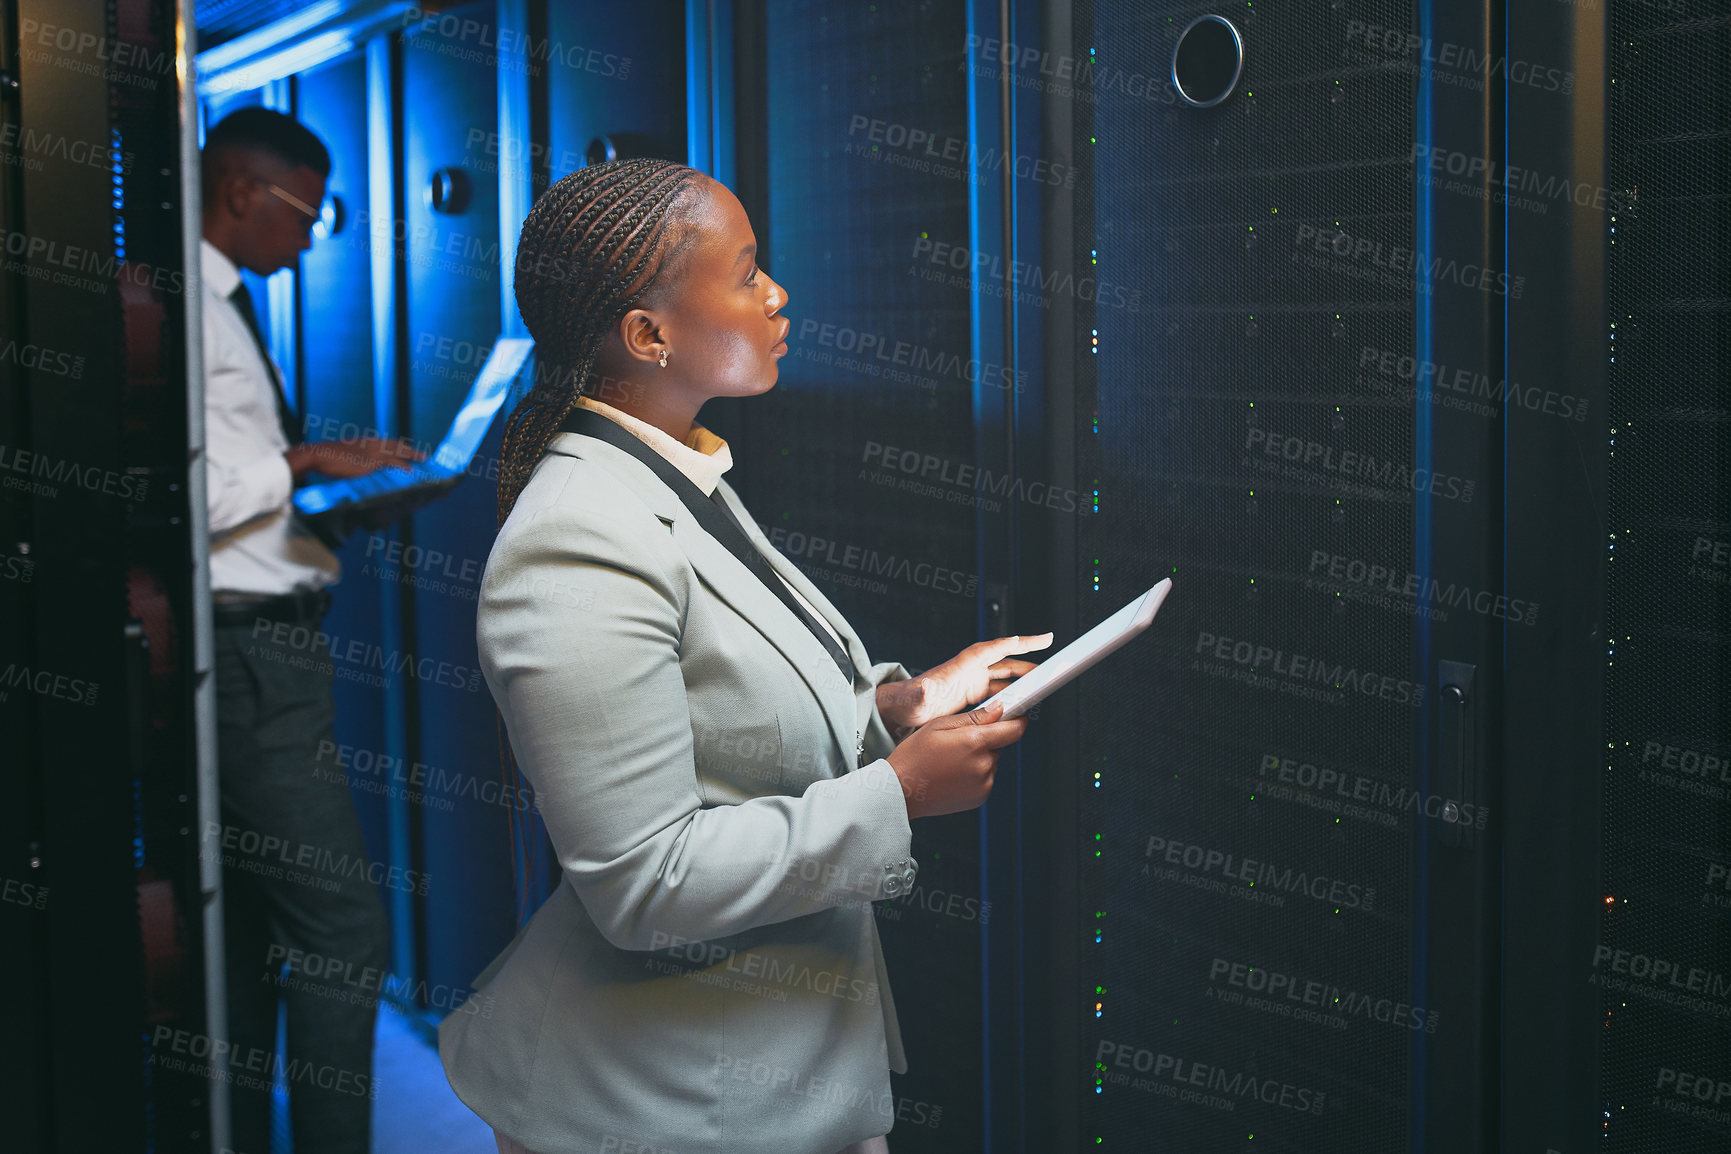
(257, 548)
(704, 457)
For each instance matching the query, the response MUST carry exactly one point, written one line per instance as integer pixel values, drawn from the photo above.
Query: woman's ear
(640, 333)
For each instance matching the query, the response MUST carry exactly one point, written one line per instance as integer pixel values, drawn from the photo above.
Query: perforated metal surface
(1664, 963)
(1247, 849)
(873, 380)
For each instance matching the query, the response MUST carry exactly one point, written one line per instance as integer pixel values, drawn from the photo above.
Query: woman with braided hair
(726, 777)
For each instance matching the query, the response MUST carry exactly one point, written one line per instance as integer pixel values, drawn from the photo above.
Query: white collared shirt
(704, 457)
(256, 546)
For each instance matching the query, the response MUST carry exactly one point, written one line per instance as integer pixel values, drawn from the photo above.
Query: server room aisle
(415, 1111)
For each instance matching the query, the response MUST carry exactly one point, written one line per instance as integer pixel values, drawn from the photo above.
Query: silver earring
(664, 356)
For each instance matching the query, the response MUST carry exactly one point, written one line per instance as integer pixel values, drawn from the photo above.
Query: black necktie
(291, 424)
(765, 573)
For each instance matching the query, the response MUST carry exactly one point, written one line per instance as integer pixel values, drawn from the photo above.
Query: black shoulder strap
(712, 514)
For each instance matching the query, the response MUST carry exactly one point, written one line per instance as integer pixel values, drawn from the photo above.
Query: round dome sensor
(610, 146)
(600, 150)
(1206, 61)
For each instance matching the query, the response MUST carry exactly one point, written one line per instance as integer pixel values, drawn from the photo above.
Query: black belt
(301, 605)
(713, 515)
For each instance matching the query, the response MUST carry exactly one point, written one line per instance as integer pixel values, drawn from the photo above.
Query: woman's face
(719, 319)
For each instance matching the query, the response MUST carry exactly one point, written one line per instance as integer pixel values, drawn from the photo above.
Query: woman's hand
(974, 674)
(948, 765)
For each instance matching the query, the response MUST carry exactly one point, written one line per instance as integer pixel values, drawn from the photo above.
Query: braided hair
(592, 248)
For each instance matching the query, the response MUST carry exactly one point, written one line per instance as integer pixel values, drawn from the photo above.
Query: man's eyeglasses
(306, 210)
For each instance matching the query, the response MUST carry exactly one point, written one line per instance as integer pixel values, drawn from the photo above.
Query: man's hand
(974, 674)
(354, 457)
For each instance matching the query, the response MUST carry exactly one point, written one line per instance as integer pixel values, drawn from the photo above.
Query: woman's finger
(1023, 643)
(1019, 643)
(1011, 665)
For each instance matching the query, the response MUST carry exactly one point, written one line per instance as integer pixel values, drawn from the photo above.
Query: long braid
(590, 249)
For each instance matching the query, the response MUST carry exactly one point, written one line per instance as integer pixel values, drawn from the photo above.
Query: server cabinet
(452, 307)
(334, 358)
(1253, 818)
(102, 881)
(1659, 961)
(849, 463)
(614, 85)
(1405, 831)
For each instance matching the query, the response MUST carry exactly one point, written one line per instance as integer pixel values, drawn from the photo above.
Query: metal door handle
(1460, 778)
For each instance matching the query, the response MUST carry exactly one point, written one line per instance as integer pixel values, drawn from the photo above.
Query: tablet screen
(1065, 665)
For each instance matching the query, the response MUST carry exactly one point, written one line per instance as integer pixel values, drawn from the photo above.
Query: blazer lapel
(730, 580)
(797, 578)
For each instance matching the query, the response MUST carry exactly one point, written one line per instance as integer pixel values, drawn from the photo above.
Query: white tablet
(1081, 654)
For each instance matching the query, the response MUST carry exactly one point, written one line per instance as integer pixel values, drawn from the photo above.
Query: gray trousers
(304, 921)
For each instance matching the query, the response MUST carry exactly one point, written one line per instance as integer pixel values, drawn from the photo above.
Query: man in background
(296, 885)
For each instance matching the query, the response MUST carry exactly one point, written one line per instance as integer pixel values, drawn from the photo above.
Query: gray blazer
(708, 979)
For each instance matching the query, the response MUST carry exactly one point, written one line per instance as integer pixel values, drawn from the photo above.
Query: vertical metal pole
(198, 513)
(515, 188)
(382, 219)
(699, 88)
(709, 103)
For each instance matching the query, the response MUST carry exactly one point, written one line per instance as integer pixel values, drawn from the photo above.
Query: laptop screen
(492, 384)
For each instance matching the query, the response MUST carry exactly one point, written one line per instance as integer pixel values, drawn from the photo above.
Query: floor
(415, 1111)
